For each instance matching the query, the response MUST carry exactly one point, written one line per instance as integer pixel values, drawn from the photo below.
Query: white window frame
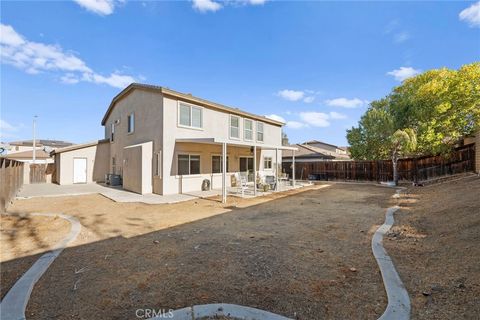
(265, 159)
(112, 132)
(260, 131)
(245, 120)
(132, 124)
(189, 166)
(191, 106)
(230, 126)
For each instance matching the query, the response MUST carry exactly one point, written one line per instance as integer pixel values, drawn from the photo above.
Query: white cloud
(5, 126)
(276, 117)
(101, 7)
(8, 130)
(291, 95)
(337, 115)
(403, 73)
(471, 15)
(401, 37)
(345, 103)
(36, 57)
(257, 2)
(296, 125)
(206, 5)
(8, 36)
(315, 119)
(309, 99)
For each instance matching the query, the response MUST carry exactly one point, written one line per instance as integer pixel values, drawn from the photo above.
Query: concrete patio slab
(118, 194)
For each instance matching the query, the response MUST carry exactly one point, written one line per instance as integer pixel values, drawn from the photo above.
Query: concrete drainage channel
(15, 302)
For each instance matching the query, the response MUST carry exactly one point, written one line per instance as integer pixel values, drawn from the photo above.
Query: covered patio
(248, 186)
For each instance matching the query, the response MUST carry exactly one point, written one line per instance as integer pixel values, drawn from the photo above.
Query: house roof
(320, 142)
(185, 97)
(40, 154)
(78, 146)
(307, 151)
(42, 142)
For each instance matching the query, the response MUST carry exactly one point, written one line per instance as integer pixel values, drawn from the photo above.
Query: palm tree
(403, 142)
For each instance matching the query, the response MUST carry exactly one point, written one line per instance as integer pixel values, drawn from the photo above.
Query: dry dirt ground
(293, 255)
(436, 249)
(26, 236)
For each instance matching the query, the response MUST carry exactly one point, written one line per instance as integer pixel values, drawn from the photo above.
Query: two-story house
(166, 142)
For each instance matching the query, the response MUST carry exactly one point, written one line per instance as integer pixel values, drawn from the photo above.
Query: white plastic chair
(243, 184)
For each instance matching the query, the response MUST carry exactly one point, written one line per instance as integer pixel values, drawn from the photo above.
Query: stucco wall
(137, 173)
(147, 108)
(97, 162)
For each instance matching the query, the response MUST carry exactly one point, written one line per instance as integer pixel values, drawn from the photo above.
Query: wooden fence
(38, 173)
(11, 179)
(411, 169)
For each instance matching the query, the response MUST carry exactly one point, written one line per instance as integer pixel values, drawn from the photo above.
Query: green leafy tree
(402, 143)
(441, 106)
(368, 140)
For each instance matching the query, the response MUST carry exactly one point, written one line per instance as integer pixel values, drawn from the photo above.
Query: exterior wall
(102, 162)
(215, 125)
(96, 164)
(137, 173)
(147, 109)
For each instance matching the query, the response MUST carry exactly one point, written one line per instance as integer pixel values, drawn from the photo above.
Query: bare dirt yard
(436, 249)
(26, 237)
(303, 254)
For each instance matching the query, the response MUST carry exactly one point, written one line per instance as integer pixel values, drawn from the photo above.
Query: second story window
(260, 131)
(248, 129)
(234, 127)
(112, 132)
(131, 123)
(190, 116)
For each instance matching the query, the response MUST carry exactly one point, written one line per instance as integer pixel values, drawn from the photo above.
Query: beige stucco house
(166, 142)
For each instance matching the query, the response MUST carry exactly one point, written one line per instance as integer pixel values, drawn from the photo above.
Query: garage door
(80, 170)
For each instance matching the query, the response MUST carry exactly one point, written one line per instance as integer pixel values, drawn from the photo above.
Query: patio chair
(242, 186)
(271, 181)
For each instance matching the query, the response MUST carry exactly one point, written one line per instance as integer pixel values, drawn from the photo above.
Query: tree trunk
(395, 169)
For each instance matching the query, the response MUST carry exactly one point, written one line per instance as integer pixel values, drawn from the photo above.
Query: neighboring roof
(320, 142)
(184, 97)
(307, 151)
(78, 146)
(42, 142)
(40, 154)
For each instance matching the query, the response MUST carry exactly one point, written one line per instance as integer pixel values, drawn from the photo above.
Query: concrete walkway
(118, 194)
(15, 301)
(398, 307)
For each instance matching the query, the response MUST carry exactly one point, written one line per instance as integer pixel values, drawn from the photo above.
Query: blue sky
(314, 64)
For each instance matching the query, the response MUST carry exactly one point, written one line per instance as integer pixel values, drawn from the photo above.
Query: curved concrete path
(15, 302)
(398, 307)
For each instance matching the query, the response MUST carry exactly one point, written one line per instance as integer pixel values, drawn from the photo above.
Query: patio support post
(224, 172)
(254, 170)
(293, 168)
(276, 169)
